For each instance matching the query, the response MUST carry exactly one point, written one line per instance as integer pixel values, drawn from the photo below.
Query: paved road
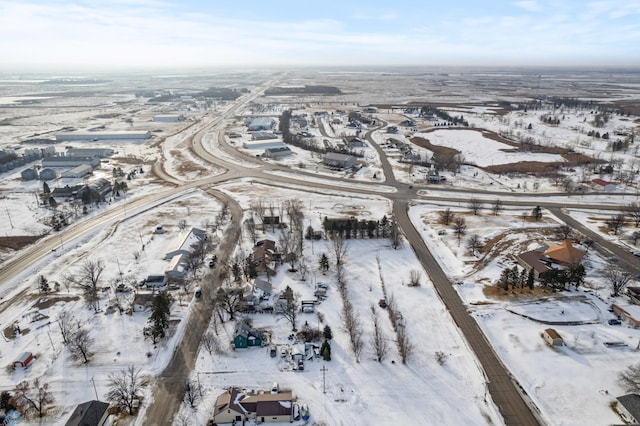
(169, 389)
(626, 260)
(504, 392)
(167, 394)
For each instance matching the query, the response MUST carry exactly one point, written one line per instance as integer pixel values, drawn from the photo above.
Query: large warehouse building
(100, 136)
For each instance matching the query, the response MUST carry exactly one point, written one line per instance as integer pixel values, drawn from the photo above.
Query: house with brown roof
(555, 257)
(552, 337)
(628, 313)
(235, 406)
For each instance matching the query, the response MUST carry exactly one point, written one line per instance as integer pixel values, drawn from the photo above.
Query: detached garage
(23, 360)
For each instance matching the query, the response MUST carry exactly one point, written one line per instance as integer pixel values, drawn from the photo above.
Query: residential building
(183, 244)
(246, 336)
(91, 413)
(339, 161)
(628, 312)
(629, 407)
(266, 407)
(545, 258)
(603, 185)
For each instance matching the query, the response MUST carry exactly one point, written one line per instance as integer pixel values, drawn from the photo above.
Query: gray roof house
(277, 152)
(262, 287)
(335, 160)
(184, 242)
(90, 413)
(629, 407)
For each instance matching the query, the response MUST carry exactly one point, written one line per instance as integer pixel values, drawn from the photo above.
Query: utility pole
(94, 388)
(8, 214)
(323, 369)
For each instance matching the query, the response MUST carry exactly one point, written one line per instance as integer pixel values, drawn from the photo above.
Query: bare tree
(88, 279)
(287, 306)
(459, 228)
(352, 325)
(250, 225)
(182, 224)
(79, 343)
(303, 268)
(441, 357)
(405, 347)
(378, 341)
(66, 322)
(474, 243)
(564, 231)
(414, 278)
(634, 212)
(618, 279)
(340, 249)
(630, 378)
(33, 398)
(615, 222)
(294, 208)
(395, 234)
(124, 388)
(446, 216)
(497, 207)
(289, 247)
(474, 205)
(192, 393)
(259, 208)
(229, 300)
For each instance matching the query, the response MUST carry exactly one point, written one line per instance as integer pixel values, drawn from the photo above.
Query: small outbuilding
(23, 360)
(552, 337)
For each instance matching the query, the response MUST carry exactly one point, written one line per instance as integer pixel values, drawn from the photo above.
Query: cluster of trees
(443, 115)
(560, 278)
(616, 222)
(514, 278)
(308, 144)
(354, 228)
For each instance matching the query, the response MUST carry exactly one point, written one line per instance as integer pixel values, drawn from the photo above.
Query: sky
(121, 34)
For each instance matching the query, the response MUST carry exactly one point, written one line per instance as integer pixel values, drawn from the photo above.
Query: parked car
(614, 321)
(636, 253)
(300, 365)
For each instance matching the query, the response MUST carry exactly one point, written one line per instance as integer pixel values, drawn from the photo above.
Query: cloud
(529, 5)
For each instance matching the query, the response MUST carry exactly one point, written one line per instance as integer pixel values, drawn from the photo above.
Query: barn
(23, 360)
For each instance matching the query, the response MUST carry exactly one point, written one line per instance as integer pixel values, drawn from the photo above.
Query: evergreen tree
(45, 188)
(43, 285)
(536, 213)
(324, 262)
(327, 333)
(530, 279)
(159, 320)
(325, 351)
(236, 271)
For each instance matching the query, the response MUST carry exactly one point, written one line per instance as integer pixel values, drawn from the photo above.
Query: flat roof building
(99, 136)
